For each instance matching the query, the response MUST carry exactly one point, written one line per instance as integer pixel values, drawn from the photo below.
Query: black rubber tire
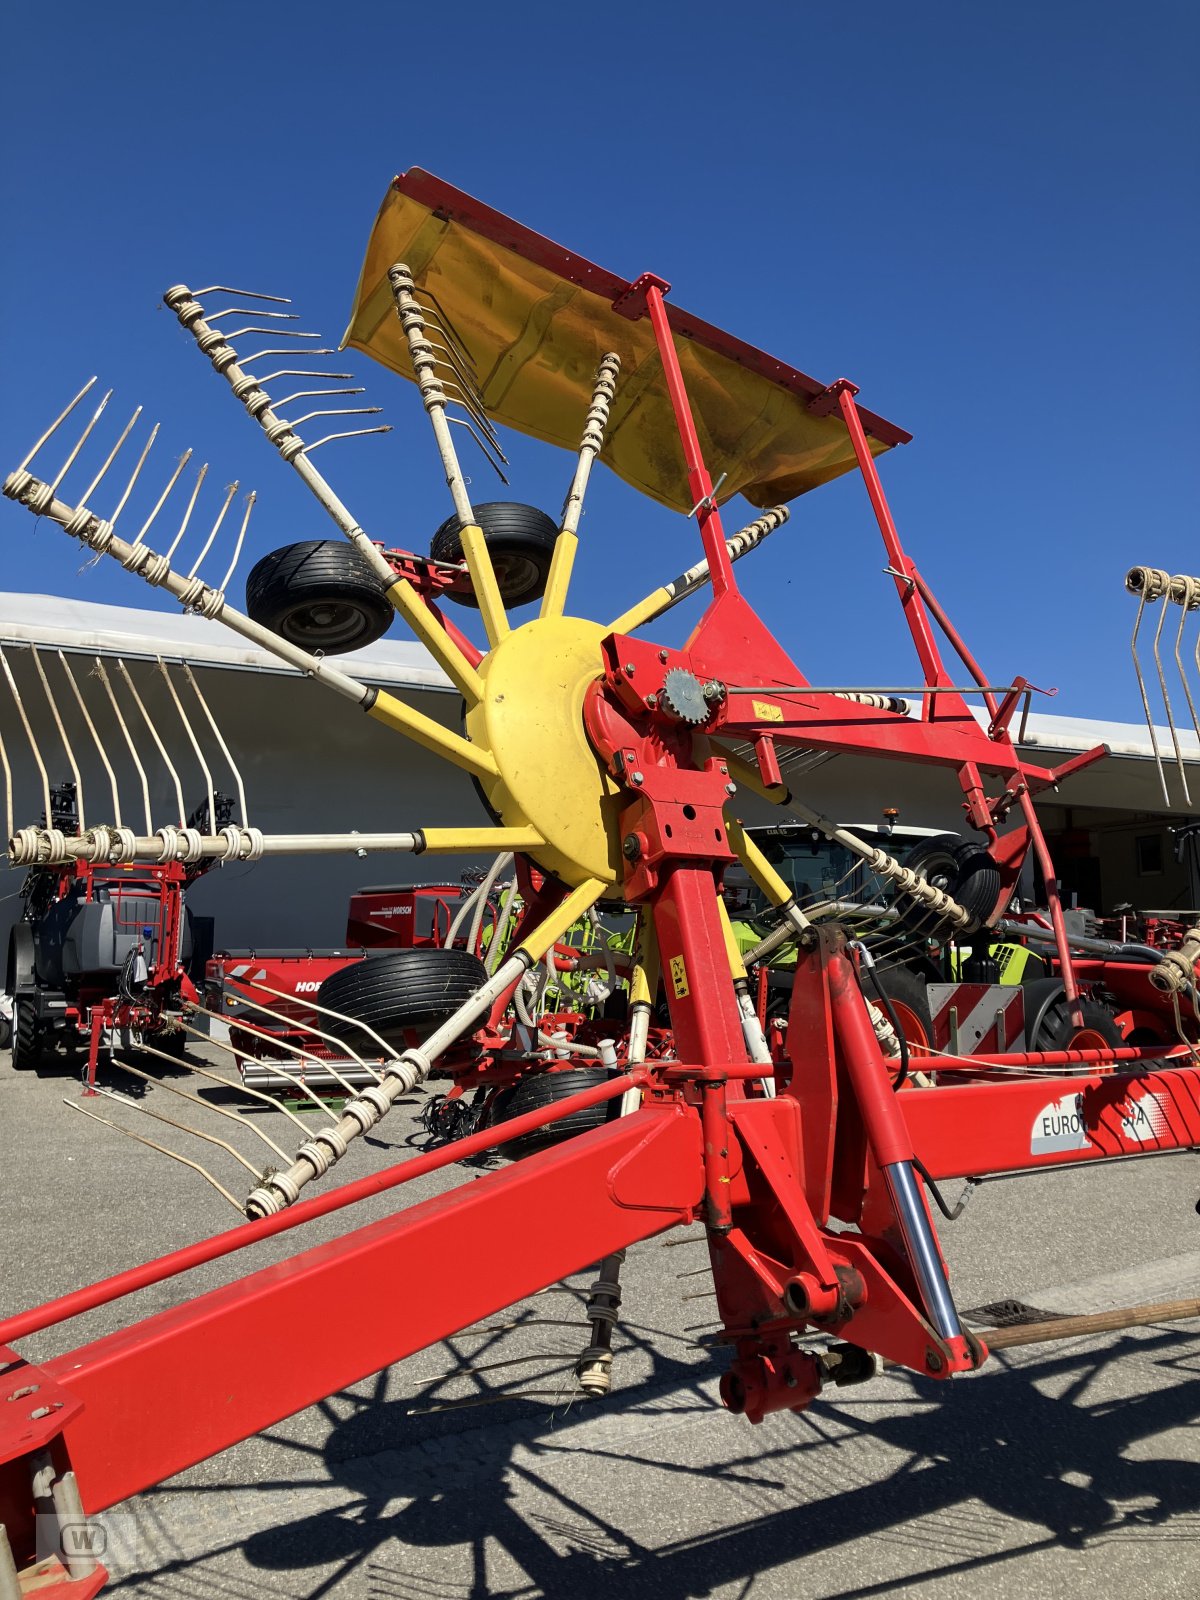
(319, 594)
(545, 1089)
(908, 992)
(22, 958)
(397, 990)
(977, 881)
(27, 1048)
(6, 1032)
(520, 541)
(1048, 1024)
(963, 869)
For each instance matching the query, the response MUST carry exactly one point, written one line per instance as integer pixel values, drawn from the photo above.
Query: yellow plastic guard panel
(536, 320)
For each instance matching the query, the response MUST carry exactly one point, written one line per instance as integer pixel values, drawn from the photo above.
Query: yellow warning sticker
(679, 977)
(765, 711)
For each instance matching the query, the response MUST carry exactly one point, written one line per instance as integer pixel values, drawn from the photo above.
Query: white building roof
(84, 625)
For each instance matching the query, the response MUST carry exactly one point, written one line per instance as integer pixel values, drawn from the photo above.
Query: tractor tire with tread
(1048, 1024)
(27, 1048)
(520, 541)
(909, 995)
(544, 1089)
(397, 990)
(319, 594)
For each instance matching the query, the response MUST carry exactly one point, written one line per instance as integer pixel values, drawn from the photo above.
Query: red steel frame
(767, 1176)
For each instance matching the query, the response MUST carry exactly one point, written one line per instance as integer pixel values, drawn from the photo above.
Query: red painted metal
(806, 1217)
(374, 1296)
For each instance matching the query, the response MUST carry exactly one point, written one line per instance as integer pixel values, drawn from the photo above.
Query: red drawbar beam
(970, 1130)
(180, 1386)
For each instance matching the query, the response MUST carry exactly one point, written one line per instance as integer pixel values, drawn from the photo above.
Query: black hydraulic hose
(901, 1077)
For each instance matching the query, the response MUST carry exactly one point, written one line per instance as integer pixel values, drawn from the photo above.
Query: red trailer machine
(614, 763)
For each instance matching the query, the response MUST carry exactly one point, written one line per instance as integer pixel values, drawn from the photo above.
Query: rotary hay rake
(611, 766)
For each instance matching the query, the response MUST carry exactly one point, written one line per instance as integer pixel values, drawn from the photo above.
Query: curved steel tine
(277, 333)
(1141, 683)
(237, 549)
(62, 734)
(300, 372)
(1162, 683)
(243, 817)
(112, 456)
(348, 411)
(312, 394)
(242, 294)
(187, 515)
(246, 361)
(231, 491)
(83, 439)
(162, 1149)
(154, 734)
(147, 447)
(192, 739)
(446, 324)
(462, 422)
(30, 735)
(162, 499)
(101, 673)
(56, 424)
(355, 433)
(249, 311)
(96, 739)
(1185, 592)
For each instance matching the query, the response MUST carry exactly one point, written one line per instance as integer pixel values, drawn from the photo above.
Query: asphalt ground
(1055, 1471)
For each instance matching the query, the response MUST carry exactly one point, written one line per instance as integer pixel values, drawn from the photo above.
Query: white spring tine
(464, 422)
(195, 743)
(187, 515)
(172, 1122)
(225, 751)
(10, 827)
(355, 433)
(1139, 582)
(153, 731)
(261, 1033)
(33, 744)
(83, 439)
(275, 333)
(230, 492)
(1185, 592)
(237, 551)
(112, 456)
(340, 1016)
(62, 734)
(307, 1028)
(245, 294)
(249, 311)
(236, 1084)
(57, 423)
(1162, 683)
(316, 394)
(246, 361)
(347, 411)
(205, 1105)
(304, 372)
(136, 759)
(161, 501)
(120, 506)
(96, 740)
(162, 1150)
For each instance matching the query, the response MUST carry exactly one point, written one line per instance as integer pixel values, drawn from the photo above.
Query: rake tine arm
(670, 594)
(562, 561)
(248, 390)
(198, 596)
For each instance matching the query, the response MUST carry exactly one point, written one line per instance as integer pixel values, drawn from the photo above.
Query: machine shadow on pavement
(1052, 1469)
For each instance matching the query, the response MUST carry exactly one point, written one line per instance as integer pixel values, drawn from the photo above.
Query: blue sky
(985, 216)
